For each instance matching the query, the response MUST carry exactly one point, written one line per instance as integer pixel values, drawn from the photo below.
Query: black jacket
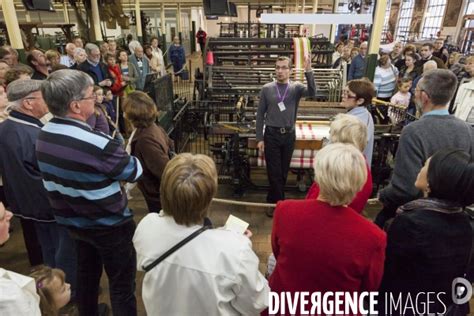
(87, 68)
(426, 251)
(22, 179)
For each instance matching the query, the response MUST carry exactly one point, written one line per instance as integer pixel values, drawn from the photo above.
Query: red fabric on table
(359, 201)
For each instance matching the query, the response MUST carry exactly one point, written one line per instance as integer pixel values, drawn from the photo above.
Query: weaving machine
(233, 144)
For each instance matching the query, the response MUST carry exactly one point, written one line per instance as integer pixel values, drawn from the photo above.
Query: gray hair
(440, 85)
(78, 50)
(90, 47)
(132, 45)
(430, 65)
(62, 87)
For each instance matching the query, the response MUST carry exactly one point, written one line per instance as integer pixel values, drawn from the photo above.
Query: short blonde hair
(340, 171)
(188, 184)
(140, 109)
(469, 59)
(348, 129)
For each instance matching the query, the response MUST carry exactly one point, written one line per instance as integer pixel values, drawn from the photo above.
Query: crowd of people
(402, 67)
(66, 170)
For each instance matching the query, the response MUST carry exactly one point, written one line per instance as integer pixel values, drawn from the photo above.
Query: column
(375, 37)
(178, 19)
(66, 12)
(332, 35)
(13, 28)
(96, 21)
(138, 20)
(162, 19)
(315, 10)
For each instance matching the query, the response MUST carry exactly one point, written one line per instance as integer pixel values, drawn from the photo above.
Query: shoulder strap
(176, 247)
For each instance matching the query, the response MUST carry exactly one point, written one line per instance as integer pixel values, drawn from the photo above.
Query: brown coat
(151, 145)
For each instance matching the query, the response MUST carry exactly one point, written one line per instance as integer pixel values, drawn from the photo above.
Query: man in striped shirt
(82, 170)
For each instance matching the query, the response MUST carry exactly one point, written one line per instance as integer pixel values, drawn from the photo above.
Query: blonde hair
(43, 277)
(469, 59)
(51, 53)
(348, 129)
(188, 184)
(340, 171)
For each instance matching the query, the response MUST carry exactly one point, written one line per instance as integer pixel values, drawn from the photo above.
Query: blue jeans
(110, 248)
(58, 250)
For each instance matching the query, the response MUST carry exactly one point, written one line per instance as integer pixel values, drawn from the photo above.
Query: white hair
(340, 171)
(133, 45)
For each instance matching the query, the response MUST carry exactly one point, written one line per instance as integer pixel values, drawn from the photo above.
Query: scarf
(432, 204)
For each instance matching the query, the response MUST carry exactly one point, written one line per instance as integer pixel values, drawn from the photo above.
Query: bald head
(363, 49)
(429, 65)
(70, 47)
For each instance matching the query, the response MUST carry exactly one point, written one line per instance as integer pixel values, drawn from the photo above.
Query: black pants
(33, 247)
(202, 46)
(111, 248)
(278, 151)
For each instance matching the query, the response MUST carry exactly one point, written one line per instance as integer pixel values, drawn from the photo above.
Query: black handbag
(463, 309)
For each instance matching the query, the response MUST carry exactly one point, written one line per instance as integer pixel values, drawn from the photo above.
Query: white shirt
(159, 54)
(18, 295)
(67, 61)
(216, 273)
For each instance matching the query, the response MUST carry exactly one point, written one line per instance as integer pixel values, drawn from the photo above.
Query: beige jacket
(464, 100)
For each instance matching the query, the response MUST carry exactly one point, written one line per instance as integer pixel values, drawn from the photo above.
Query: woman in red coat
(348, 129)
(114, 70)
(322, 245)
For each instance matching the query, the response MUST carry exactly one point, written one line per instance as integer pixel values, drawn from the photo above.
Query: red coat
(116, 88)
(321, 248)
(359, 201)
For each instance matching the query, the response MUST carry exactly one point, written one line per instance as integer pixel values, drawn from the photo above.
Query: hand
(105, 83)
(248, 233)
(261, 146)
(124, 83)
(125, 78)
(307, 63)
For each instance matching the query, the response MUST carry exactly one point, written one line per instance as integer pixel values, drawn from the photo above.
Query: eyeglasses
(92, 97)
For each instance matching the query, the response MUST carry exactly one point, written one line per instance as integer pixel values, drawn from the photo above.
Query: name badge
(281, 106)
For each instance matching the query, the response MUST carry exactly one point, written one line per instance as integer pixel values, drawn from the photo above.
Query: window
(406, 12)
(385, 21)
(433, 18)
(470, 7)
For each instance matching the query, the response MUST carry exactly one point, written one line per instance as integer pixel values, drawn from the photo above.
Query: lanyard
(280, 98)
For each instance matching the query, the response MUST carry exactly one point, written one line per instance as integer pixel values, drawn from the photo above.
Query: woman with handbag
(128, 70)
(429, 242)
(209, 272)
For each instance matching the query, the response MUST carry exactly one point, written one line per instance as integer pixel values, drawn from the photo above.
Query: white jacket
(464, 100)
(214, 274)
(18, 295)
